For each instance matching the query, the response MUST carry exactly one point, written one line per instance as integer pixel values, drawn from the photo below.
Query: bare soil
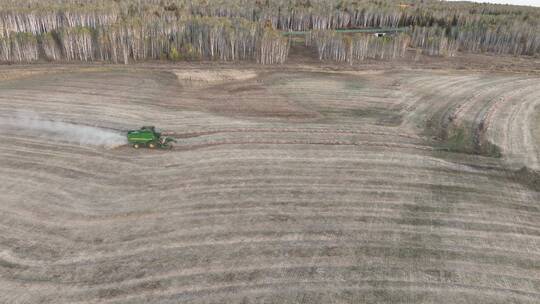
(302, 183)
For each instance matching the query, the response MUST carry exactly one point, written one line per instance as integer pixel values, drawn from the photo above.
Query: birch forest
(123, 31)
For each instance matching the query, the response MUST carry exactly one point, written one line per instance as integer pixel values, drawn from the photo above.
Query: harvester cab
(148, 137)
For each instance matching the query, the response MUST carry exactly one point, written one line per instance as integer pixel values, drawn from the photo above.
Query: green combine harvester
(149, 138)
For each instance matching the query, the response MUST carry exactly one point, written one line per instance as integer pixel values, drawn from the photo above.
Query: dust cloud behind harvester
(64, 131)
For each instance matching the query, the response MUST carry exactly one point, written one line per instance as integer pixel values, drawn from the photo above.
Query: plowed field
(285, 186)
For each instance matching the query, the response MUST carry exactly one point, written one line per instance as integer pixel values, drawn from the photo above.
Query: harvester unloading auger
(148, 137)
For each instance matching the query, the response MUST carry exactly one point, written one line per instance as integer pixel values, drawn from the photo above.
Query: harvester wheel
(151, 145)
(136, 146)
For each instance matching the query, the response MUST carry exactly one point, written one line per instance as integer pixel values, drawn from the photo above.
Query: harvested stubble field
(287, 185)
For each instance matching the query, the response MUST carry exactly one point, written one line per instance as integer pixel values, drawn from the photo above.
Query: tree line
(124, 30)
(198, 38)
(37, 16)
(342, 47)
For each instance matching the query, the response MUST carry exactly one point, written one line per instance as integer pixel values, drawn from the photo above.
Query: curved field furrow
(513, 129)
